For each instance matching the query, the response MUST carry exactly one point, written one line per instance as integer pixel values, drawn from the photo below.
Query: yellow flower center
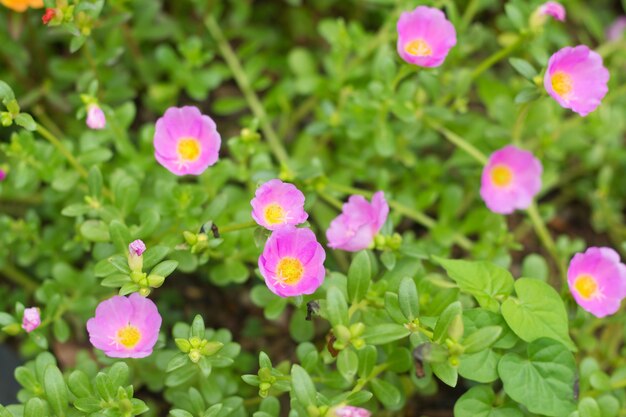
(586, 286)
(128, 336)
(289, 270)
(561, 83)
(418, 47)
(274, 214)
(188, 149)
(501, 175)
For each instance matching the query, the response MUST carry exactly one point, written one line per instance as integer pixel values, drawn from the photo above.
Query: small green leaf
(446, 373)
(385, 333)
(302, 386)
(449, 317)
(26, 121)
(524, 68)
(409, 301)
(154, 255)
(387, 393)
(56, 390)
(79, 384)
(164, 268)
(347, 363)
(337, 307)
(359, 276)
(94, 181)
(482, 339)
(35, 408)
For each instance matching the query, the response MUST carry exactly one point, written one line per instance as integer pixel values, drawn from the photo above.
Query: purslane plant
(95, 225)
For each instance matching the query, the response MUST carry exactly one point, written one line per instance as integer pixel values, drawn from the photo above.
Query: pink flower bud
(31, 320)
(95, 117)
(137, 247)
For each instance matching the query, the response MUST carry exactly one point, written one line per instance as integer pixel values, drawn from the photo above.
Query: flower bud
(95, 117)
(183, 345)
(48, 15)
(31, 319)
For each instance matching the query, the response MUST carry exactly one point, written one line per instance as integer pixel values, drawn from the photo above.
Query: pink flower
(510, 180)
(95, 117)
(554, 9)
(577, 79)
(186, 142)
(125, 327)
(359, 222)
(597, 280)
(615, 32)
(425, 36)
(3, 175)
(350, 411)
(292, 262)
(31, 319)
(276, 204)
(137, 247)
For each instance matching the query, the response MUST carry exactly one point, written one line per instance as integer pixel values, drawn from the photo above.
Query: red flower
(48, 16)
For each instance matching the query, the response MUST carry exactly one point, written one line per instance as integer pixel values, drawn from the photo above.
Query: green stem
(246, 88)
(61, 148)
(18, 277)
(496, 57)
(363, 381)
(331, 200)
(470, 12)
(546, 239)
(518, 127)
(460, 142)
(237, 226)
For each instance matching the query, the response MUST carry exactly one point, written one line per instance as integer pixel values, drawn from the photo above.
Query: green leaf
(385, 333)
(154, 255)
(387, 393)
(61, 330)
(337, 307)
(482, 339)
(347, 363)
(448, 321)
(446, 373)
(302, 386)
(367, 360)
(481, 401)
(56, 390)
(95, 231)
(359, 276)
(79, 384)
(35, 408)
(88, 404)
(537, 312)
(164, 268)
(524, 68)
(197, 327)
(392, 305)
(543, 380)
(115, 281)
(118, 373)
(588, 407)
(26, 378)
(94, 180)
(408, 298)
(480, 366)
(26, 121)
(119, 235)
(6, 93)
(485, 281)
